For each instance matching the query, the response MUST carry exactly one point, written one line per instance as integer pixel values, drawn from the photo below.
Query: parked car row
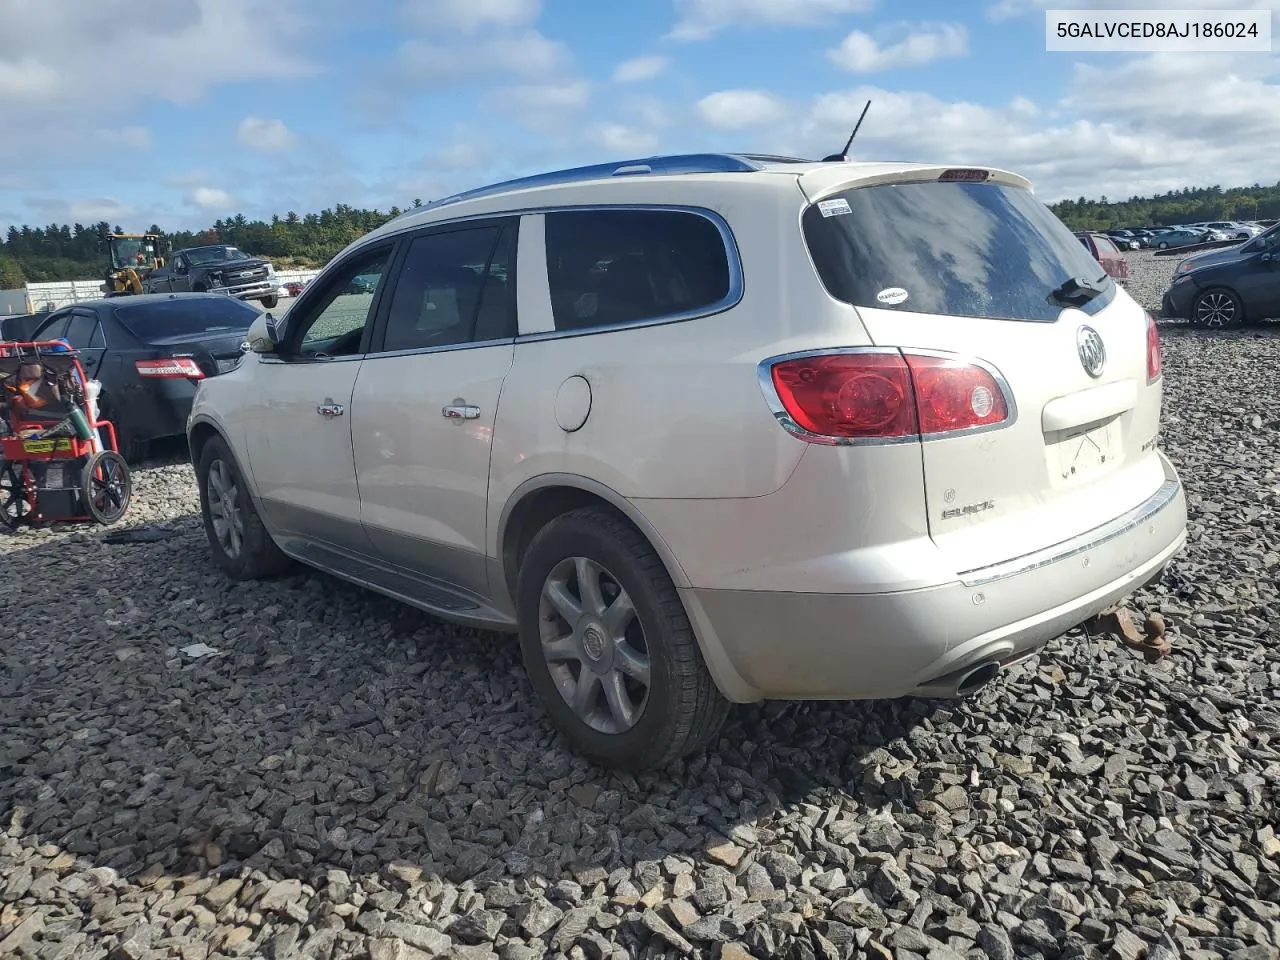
(1228, 286)
(1183, 235)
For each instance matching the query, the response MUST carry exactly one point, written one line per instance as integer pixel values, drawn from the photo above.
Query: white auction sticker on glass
(833, 208)
(892, 296)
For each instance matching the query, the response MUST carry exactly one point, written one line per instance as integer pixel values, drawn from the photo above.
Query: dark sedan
(150, 352)
(1224, 288)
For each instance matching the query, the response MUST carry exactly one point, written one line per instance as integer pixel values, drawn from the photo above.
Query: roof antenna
(844, 154)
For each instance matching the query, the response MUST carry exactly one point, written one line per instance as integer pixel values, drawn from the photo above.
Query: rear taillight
(170, 368)
(841, 397)
(953, 395)
(848, 395)
(1155, 360)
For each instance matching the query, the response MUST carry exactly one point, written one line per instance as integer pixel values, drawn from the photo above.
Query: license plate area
(1084, 453)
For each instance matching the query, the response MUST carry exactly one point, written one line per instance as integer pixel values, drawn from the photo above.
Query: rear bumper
(828, 646)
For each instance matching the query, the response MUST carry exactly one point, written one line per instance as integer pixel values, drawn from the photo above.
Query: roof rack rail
(647, 166)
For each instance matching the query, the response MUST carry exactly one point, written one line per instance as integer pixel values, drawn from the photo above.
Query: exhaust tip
(977, 678)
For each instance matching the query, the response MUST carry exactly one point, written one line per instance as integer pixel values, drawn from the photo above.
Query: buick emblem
(1093, 352)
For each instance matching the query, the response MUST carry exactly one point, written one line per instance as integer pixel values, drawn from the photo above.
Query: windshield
(953, 249)
(185, 317)
(132, 253)
(215, 254)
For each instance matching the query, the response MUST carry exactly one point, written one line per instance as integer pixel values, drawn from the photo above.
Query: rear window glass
(608, 267)
(183, 317)
(954, 249)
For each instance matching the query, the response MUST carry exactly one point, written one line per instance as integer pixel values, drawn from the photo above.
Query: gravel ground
(349, 778)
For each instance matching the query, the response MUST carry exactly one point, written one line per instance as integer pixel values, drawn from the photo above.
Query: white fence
(52, 296)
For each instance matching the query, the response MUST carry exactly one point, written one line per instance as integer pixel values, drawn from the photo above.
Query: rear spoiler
(834, 177)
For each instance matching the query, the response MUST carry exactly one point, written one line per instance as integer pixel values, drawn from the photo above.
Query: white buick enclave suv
(710, 429)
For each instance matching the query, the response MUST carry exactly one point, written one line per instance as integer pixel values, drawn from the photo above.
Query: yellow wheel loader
(133, 256)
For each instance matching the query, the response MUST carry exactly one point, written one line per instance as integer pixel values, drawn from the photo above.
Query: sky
(185, 111)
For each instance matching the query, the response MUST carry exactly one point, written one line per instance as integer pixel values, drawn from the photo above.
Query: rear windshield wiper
(1075, 292)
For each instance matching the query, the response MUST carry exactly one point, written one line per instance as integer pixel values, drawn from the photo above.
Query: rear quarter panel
(676, 411)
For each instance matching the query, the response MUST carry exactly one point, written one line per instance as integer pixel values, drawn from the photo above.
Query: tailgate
(968, 269)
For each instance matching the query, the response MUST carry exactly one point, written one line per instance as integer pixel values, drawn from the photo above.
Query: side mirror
(264, 334)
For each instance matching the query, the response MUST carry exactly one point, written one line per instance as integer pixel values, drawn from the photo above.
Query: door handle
(460, 411)
(330, 409)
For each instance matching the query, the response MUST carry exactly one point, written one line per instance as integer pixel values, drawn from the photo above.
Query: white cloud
(126, 138)
(1022, 107)
(440, 63)
(639, 69)
(1009, 9)
(736, 109)
(70, 68)
(702, 19)
(211, 198)
(620, 138)
(27, 77)
(1143, 126)
(469, 16)
(264, 133)
(546, 108)
(902, 45)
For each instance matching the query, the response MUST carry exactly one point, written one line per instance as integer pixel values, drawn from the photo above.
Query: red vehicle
(58, 461)
(294, 287)
(1106, 253)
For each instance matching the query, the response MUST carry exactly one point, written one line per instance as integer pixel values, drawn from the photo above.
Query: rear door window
(957, 249)
(610, 267)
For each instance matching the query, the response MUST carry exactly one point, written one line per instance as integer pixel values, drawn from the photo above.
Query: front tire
(608, 646)
(269, 302)
(1162, 245)
(241, 546)
(1217, 309)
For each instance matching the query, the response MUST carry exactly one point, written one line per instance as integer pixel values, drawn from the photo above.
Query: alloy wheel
(1216, 309)
(594, 645)
(224, 508)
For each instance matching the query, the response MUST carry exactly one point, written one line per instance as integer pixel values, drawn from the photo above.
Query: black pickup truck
(218, 268)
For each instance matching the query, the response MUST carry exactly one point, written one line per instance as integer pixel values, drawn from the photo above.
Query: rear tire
(1217, 309)
(241, 546)
(133, 449)
(629, 659)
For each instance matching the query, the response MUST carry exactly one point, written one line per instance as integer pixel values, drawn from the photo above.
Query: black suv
(1229, 285)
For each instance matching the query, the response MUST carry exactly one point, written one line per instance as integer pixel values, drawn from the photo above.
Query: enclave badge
(1093, 352)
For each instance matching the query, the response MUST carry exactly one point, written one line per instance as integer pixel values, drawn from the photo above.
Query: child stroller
(58, 461)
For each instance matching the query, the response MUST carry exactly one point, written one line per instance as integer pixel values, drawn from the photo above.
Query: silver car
(710, 429)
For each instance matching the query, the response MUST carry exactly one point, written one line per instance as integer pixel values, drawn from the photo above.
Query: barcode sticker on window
(833, 208)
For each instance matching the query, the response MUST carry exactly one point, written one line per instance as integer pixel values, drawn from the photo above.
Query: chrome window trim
(1089, 540)
(764, 378)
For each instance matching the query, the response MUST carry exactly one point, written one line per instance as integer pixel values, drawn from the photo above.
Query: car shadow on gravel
(333, 728)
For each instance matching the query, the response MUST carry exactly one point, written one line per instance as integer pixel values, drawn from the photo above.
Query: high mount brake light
(972, 176)
(835, 397)
(170, 368)
(1155, 357)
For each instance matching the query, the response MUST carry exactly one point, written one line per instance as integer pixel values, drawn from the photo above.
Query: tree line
(78, 251)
